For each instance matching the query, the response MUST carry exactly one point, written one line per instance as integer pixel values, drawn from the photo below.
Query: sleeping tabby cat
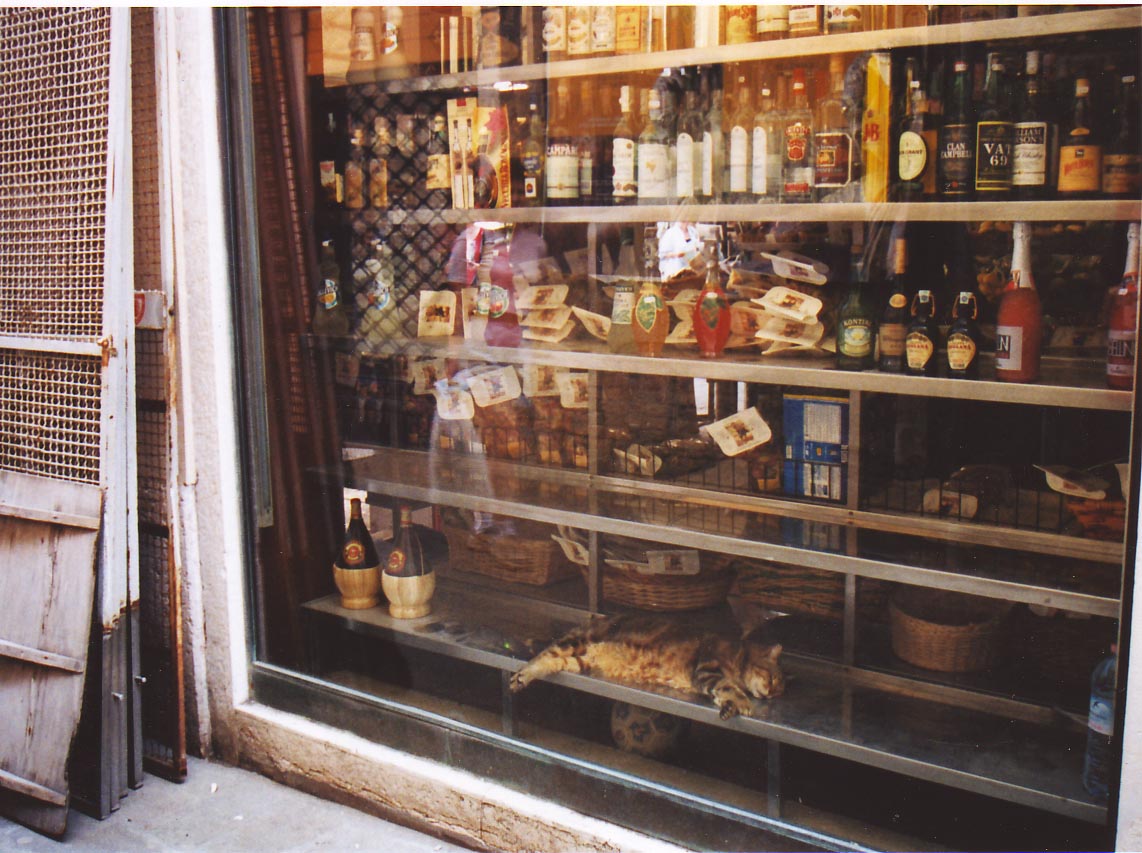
(646, 650)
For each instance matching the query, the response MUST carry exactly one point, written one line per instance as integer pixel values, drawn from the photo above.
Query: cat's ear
(774, 652)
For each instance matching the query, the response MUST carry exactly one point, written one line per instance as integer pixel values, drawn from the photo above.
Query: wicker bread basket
(808, 591)
(624, 584)
(526, 556)
(944, 631)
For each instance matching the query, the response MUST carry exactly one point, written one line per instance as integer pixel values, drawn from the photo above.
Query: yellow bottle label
(961, 351)
(1080, 168)
(918, 349)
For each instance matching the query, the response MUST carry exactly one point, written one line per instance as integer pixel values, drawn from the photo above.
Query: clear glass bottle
(651, 314)
(1100, 763)
(620, 337)
(832, 141)
(1019, 322)
(797, 144)
(503, 328)
(655, 177)
(765, 165)
(688, 147)
(713, 141)
(624, 156)
(738, 147)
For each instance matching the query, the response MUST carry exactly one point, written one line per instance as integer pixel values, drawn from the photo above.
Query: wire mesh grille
(50, 415)
(54, 95)
(153, 455)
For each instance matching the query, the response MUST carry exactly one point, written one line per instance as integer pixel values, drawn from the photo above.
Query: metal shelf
(1040, 26)
(822, 710)
(683, 518)
(1066, 383)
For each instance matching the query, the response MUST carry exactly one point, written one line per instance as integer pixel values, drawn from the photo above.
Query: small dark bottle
(923, 337)
(964, 338)
(357, 548)
(895, 319)
(407, 558)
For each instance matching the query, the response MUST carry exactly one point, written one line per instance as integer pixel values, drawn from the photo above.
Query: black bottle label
(994, 145)
(956, 159)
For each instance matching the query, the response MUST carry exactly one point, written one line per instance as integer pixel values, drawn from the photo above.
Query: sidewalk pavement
(228, 810)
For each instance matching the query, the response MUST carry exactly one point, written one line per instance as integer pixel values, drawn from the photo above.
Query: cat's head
(761, 672)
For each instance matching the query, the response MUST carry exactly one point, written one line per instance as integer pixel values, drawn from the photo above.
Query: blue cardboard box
(816, 447)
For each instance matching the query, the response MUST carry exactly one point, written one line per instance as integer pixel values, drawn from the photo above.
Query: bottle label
(1079, 168)
(956, 158)
(710, 309)
(1101, 718)
(856, 338)
(624, 184)
(834, 159)
(562, 171)
(918, 349)
(653, 171)
(353, 554)
(530, 187)
(647, 309)
(497, 301)
(760, 157)
(1030, 154)
(772, 21)
(913, 158)
(623, 307)
(554, 29)
(397, 561)
(327, 295)
(1009, 347)
(381, 296)
(1120, 349)
(804, 19)
(994, 143)
(842, 19)
(603, 29)
(586, 173)
(361, 47)
(1121, 174)
(628, 29)
(578, 30)
(438, 177)
(961, 351)
(707, 164)
(796, 142)
(739, 159)
(892, 336)
(685, 165)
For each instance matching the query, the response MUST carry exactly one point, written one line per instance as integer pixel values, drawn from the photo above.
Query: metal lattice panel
(54, 98)
(49, 415)
(153, 455)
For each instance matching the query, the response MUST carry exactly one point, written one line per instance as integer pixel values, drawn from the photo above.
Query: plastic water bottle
(1099, 762)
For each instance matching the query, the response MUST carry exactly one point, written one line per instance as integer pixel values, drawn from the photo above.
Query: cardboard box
(816, 447)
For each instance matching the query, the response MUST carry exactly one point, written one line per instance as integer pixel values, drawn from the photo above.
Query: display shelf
(615, 506)
(930, 211)
(1068, 383)
(1035, 765)
(1039, 26)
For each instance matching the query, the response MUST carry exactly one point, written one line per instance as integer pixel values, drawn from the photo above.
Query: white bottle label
(685, 167)
(739, 160)
(562, 171)
(707, 164)
(760, 155)
(623, 306)
(1009, 347)
(913, 156)
(1030, 154)
(623, 161)
(653, 171)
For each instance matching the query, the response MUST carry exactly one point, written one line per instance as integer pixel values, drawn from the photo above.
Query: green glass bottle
(856, 320)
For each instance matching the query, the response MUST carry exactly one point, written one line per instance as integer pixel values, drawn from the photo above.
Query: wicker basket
(807, 591)
(1103, 520)
(530, 558)
(627, 586)
(946, 632)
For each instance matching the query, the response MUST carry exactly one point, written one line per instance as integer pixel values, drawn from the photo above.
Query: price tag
(672, 563)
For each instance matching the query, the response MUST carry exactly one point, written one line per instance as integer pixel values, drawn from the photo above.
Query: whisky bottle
(655, 180)
(1019, 321)
(624, 142)
(805, 19)
(630, 24)
(532, 152)
(894, 321)
(856, 323)
(561, 175)
(1080, 153)
(956, 161)
(916, 149)
(712, 310)
(737, 151)
(964, 338)
(797, 145)
(357, 548)
(1122, 160)
(923, 338)
(994, 135)
(765, 165)
(1033, 137)
(407, 558)
(1122, 334)
(832, 141)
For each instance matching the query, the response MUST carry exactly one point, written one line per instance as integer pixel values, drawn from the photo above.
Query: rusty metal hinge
(107, 346)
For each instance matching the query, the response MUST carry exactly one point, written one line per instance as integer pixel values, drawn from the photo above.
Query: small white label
(739, 159)
(707, 164)
(653, 171)
(685, 165)
(623, 161)
(672, 563)
(913, 155)
(1009, 347)
(760, 154)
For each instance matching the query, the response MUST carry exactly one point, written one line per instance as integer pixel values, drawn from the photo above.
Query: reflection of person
(677, 246)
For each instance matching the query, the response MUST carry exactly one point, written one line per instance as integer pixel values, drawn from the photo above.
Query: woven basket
(629, 587)
(807, 591)
(1103, 520)
(526, 559)
(946, 632)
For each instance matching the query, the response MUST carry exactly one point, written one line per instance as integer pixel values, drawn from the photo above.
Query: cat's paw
(518, 682)
(735, 708)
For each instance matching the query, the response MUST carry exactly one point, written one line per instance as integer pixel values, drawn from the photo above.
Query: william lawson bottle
(357, 548)
(1080, 155)
(1122, 335)
(923, 338)
(955, 163)
(964, 338)
(856, 322)
(1033, 137)
(994, 135)
(1019, 322)
(407, 558)
(712, 310)
(894, 321)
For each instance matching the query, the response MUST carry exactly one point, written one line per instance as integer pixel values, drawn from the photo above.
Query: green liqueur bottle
(856, 321)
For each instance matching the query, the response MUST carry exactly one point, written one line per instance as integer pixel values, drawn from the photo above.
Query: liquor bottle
(688, 148)
(739, 23)
(355, 170)
(956, 161)
(620, 337)
(1099, 760)
(630, 23)
(407, 558)
(804, 20)
(797, 144)
(856, 321)
(651, 314)
(362, 46)
(713, 142)
(602, 31)
(655, 181)
(329, 156)
(765, 165)
(532, 152)
(894, 321)
(561, 170)
(916, 149)
(1019, 322)
(994, 135)
(585, 147)
(438, 181)
(1122, 333)
(832, 141)
(392, 64)
(357, 548)
(330, 317)
(485, 178)
(1080, 154)
(602, 124)
(712, 310)
(578, 31)
(1033, 137)
(737, 149)
(624, 143)
(964, 338)
(554, 33)
(503, 329)
(923, 338)
(772, 22)
(844, 18)
(1122, 160)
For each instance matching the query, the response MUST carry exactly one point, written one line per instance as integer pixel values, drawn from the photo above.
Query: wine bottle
(407, 558)
(1019, 322)
(894, 321)
(620, 337)
(713, 141)
(655, 180)
(797, 147)
(1080, 155)
(712, 310)
(585, 149)
(964, 338)
(955, 163)
(624, 183)
(994, 135)
(737, 149)
(1122, 334)
(688, 147)
(357, 548)
(923, 338)
(856, 323)
(1033, 137)
(1122, 160)
(561, 175)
